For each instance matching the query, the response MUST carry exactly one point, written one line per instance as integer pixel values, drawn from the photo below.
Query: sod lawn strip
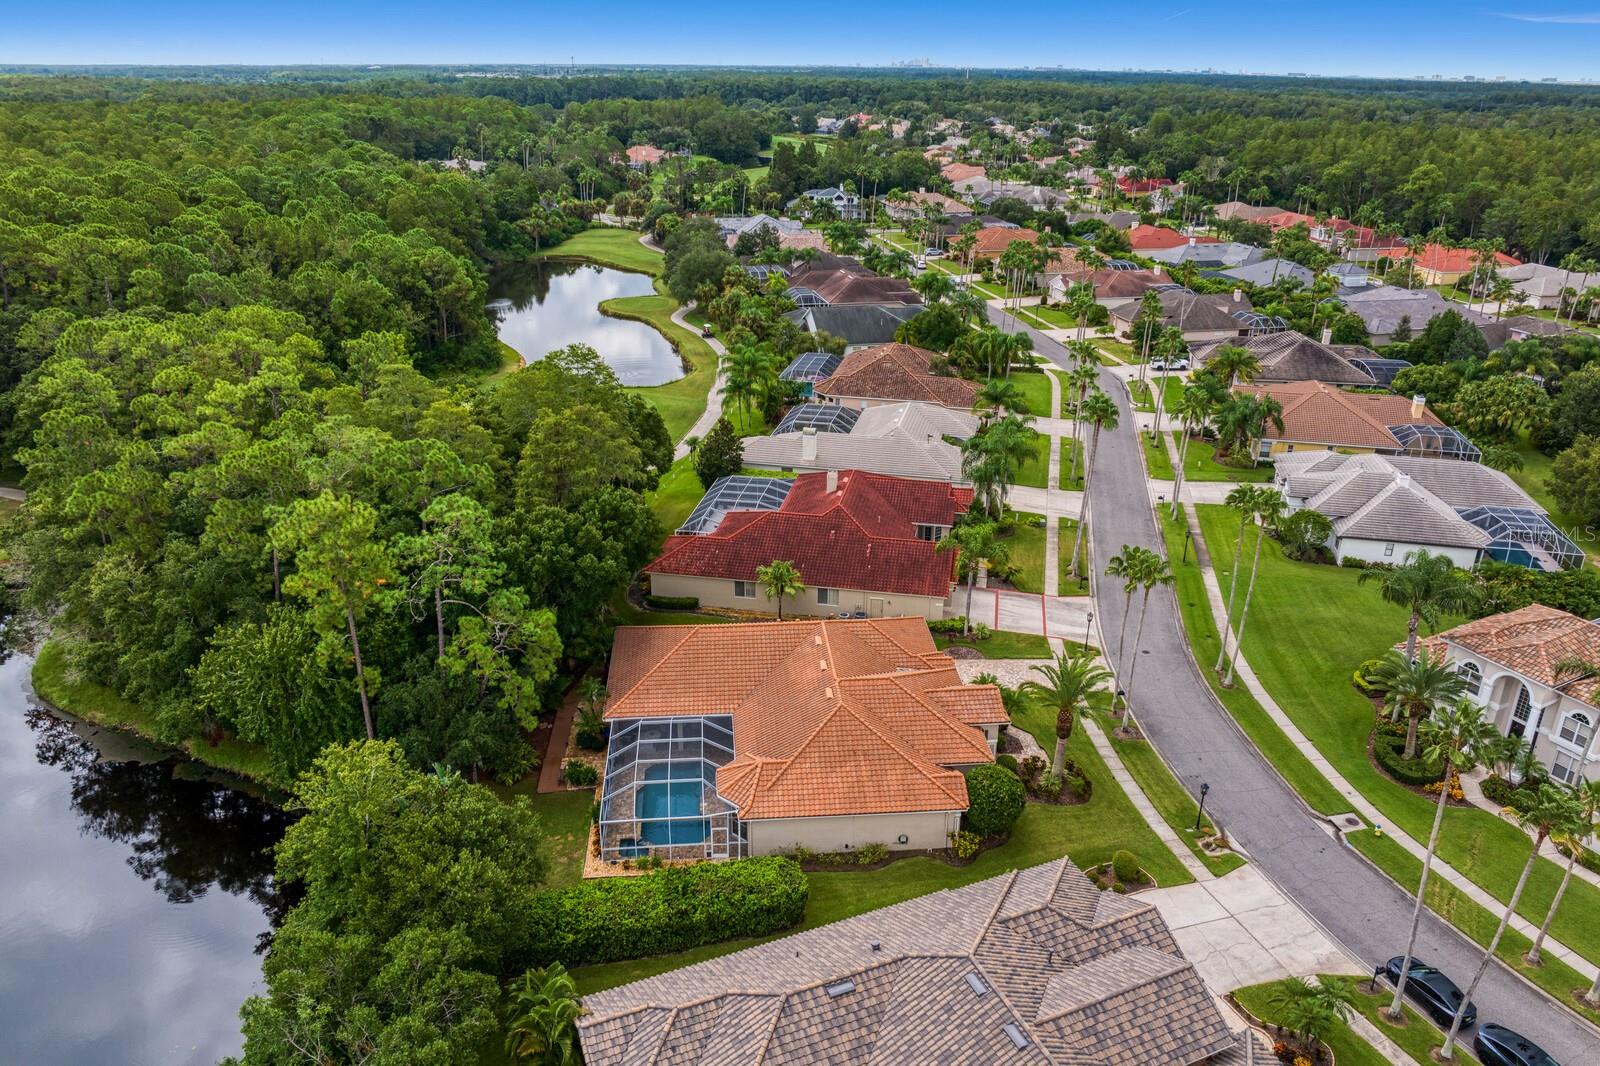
(1026, 545)
(1310, 626)
(1201, 465)
(1036, 469)
(999, 644)
(1067, 585)
(1156, 459)
(1264, 733)
(619, 248)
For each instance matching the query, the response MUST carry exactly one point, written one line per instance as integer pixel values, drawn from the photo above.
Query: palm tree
(544, 1007)
(1454, 737)
(1125, 564)
(1550, 809)
(1573, 838)
(1426, 585)
(1081, 304)
(1100, 411)
(1416, 688)
(1313, 1011)
(998, 394)
(976, 542)
(1068, 683)
(990, 460)
(1168, 347)
(1152, 569)
(1193, 410)
(1147, 321)
(780, 578)
(1243, 501)
(1234, 364)
(1269, 508)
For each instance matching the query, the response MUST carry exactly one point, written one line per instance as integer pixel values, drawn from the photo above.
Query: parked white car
(1169, 364)
(932, 253)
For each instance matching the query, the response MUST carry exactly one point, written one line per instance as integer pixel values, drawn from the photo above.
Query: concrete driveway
(1066, 617)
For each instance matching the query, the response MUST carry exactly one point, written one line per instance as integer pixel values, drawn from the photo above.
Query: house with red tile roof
(1323, 418)
(994, 240)
(1141, 186)
(1278, 220)
(862, 542)
(750, 739)
(955, 173)
(1515, 665)
(893, 373)
(1144, 238)
(1348, 237)
(1438, 265)
(644, 155)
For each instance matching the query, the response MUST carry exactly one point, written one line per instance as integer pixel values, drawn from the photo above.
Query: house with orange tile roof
(1438, 265)
(750, 739)
(641, 156)
(864, 544)
(914, 204)
(956, 173)
(994, 240)
(893, 373)
(1319, 417)
(1514, 664)
(1144, 238)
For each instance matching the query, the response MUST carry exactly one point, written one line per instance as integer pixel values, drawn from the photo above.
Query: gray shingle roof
(1382, 307)
(900, 439)
(856, 323)
(1085, 977)
(1292, 356)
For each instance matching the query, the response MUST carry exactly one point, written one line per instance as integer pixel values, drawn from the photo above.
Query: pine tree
(719, 455)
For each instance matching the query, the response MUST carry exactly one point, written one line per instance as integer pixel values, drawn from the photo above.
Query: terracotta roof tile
(960, 171)
(1448, 260)
(1145, 237)
(1532, 641)
(1320, 414)
(896, 371)
(994, 240)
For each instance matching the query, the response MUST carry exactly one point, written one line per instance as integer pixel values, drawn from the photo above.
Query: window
(828, 597)
(1471, 678)
(930, 532)
(744, 590)
(1291, 448)
(1388, 549)
(1564, 769)
(1576, 729)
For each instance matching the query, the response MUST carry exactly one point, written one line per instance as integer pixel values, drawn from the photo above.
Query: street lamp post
(1088, 623)
(1200, 815)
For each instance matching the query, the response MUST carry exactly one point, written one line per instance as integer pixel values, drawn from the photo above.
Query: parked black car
(1498, 1046)
(1431, 990)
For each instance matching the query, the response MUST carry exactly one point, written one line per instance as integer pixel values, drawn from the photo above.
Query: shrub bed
(1389, 751)
(672, 603)
(995, 798)
(579, 773)
(671, 910)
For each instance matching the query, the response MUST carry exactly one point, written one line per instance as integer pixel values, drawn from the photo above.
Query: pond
(135, 895)
(547, 304)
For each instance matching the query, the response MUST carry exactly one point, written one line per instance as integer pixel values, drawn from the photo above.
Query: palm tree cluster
(1258, 508)
(1313, 1011)
(750, 378)
(543, 1008)
(991, 458)
(1139, 569)
(979, 544)
(1427, 585)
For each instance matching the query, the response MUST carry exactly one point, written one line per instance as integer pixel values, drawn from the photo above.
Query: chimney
(1419, 404)
(1327, 334)
(833, 482)
(1403, 480)
(808, 444)
(1238, 294)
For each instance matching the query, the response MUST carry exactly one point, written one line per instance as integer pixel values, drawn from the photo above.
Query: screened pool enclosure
(660, 791)
(1525, 537)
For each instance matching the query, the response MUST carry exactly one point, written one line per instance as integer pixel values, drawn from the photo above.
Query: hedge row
(1390, 752)
(672, 603)
(674, 909)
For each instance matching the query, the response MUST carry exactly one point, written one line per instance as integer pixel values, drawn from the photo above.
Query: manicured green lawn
(1034, 472)
(1069, 448)
(1310, 626)
(1035, 388)
(1117, 351)
(1177, 808)
(680, 402)
(566, 826)
(1026, 545)
(1534, 479)
(1066, 529)
(676, 495)
(55, 683)
(618, 248)
(1201, 465)
(1156, 459)
(1348, 1048)
(1053, 317)
(1201, 629)
(1088, 833)
(999, 645)
(1450, 903)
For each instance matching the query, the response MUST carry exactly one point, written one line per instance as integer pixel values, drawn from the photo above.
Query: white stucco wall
(1497, 693)
(923, 830)
(1372, 551)
(718, 592)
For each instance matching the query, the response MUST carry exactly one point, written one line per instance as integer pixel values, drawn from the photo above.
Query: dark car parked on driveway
(1431, 990)
(1498, 1046)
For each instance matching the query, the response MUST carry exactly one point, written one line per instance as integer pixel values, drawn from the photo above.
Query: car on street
(1431, 990)
(932, 253)
(1498, 1046)
(921, 263)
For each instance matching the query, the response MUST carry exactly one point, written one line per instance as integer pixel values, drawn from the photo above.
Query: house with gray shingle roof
(1292, 356)
(1383, 307)
(900, 439)
(1033, 966)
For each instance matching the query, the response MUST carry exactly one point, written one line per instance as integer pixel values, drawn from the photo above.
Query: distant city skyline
(1361, 38)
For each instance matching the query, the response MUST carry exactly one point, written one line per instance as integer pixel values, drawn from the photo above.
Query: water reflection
(135, 895)
(545, 305)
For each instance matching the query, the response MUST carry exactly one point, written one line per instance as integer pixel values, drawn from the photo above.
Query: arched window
(1522, 713)
(1471, 677)
(1577, 729)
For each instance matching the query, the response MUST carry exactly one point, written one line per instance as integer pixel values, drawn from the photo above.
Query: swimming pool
(658, 798)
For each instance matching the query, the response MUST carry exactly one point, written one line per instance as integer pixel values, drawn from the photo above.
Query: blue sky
(1521, 39)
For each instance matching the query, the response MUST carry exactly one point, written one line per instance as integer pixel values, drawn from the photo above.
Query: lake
(135, 895)
(547, 304)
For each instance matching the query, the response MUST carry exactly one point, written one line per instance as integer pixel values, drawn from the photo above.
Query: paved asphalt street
(1351, 899)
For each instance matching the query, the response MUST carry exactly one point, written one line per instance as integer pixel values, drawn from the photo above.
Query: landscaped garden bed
(1122, 874)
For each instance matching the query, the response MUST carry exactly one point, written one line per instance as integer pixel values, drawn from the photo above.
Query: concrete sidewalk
(1358, 802)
